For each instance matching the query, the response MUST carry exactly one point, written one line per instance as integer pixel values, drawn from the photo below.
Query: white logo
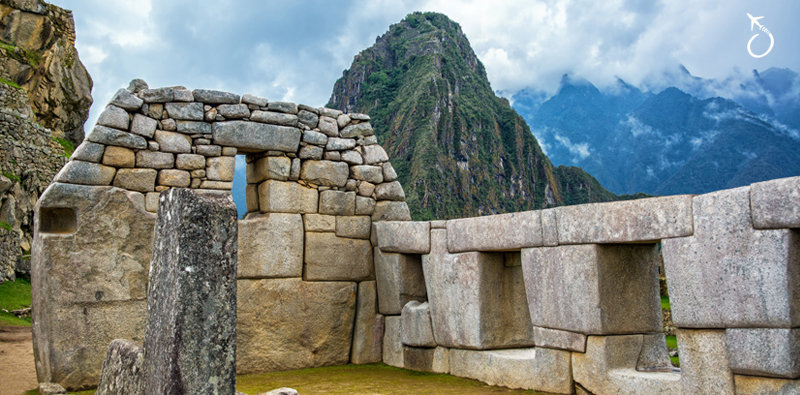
(762, 28)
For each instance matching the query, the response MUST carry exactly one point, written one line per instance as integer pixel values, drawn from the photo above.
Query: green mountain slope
(458, 149)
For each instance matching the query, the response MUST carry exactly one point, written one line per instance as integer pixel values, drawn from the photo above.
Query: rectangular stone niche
(57, 220)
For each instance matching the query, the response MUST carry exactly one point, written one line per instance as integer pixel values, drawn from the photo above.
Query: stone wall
(317, 179)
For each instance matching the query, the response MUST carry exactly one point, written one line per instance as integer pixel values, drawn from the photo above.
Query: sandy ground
(17, 371)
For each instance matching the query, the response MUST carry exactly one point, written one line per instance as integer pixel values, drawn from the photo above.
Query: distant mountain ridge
(672, 140)
(458, 149)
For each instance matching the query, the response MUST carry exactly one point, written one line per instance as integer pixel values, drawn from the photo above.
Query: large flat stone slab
(400, 280)
(754, 385)
(329, 257)
(369, 325)
(286, 197)
(254, 136)
(271, 245)
(291, 324)
(426, 359)
(728, 274)
(648, 219)
(392, 344)
(502, 232)
(563, 340)
(538, 369)
(704, 362)
(593, 289)
(773, 352)
(404, 236)
(776, 203)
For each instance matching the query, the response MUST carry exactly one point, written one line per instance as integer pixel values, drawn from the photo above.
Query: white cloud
(579, 150)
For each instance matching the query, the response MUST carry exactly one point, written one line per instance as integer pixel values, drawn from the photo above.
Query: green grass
(9, 83)
(67, 145)
(6, 226)
(15, 295)
(665, 303)
(672, 342)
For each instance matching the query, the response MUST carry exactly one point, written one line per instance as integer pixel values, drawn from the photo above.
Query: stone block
(538, 369)
(357, 130)
(310, 152)
(143, 125)
(50, 389)
(328, 126)
(141, 180)
(416, 324)
(337, 202)
(750, 385)
(255, 136)
(502, 232)
(316, 138)
(255, 100)
(549, 227)
(193, 127)
(272, 117)
(374, 154)
(151, 202)
(392, 346)
(320, 223)
(251, 197)
(388, 172)
(269, 167)
(271, 245)
(286, 197)
(594, 289)
(190, 343)
(119, 157)
(339, 144)
(476, 301)
(342, 120)
(352, 157)
(233, 111)
(114, 117)
(292, 324)
(728, 274)
(563, 340)
(371, 174)
(368, 330)
(122, 369)
(173, 142)
(209, 149)
(125, 99)
(356, 227)
(366, 188)
(308, 118)
(364, 205)
(282, 106)
(654, 356)
(399, 279)
(775, 203)
(158, 95)
(220, 168)
(404, 236)
(190, 162)
(636, 220)
(88, 152)
(764, 352)
(185, 111)
(215, 97)
(704, 362)
(332, 258)
(209, 184)
(155, 159)
(433, 360)
(85, 173)
(390, 191)
(174, 178)
(229, 151)
(388, 210)
(110, 136)
(325, 173)
(609, 367)
(182, 94)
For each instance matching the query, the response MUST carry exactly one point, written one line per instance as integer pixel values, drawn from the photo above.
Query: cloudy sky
(295, 50)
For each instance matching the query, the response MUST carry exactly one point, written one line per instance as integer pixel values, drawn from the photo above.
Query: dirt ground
(17, 371)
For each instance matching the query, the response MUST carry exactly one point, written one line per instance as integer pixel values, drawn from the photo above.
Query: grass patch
(10, 83)
(675, 361)
(6, 226)
(15, 295)
(665, 303)
(67, 145)
(11, 176)
(672, 342)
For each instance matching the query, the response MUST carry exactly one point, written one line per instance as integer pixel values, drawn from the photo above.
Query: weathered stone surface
(114, 117)
(416, 323)
(292, 324)
(88, 152)
(143, 125)
(320, 223)
(282, 106)
(308, 118)
(209, 150)
(119, 157)
(625, 221)
(182, 94)
(653, 356)
(271, 245)
(541, 369)
(233, 111)
(317, 138)
(185, 111)
(356, 227)
(277, 118)
(388, 210)
(158, 95)
(286, 197)
(215, 97)
(750, 385)
(359, 116)
(110, 136)
(256, 136)
(593, 289)
(745, 280)
(388, 172)
(337, 202)
(122, 369)
(332, 258)
(704, 362)
(372, 174)
(155, 159)
(220, 168)
(554, 338)
(125, 99)
(142, 180)
(368, 330)
(325, 172)
(764, 352)
(399, 279)
(339, 144)
(476, 301)
(269, 167)
(374, 154)
(392, 345)
(310, 152)
(609, 367)
(193, 127)
(73, 280)
(342, 120)
(774, 203)
(209, 184)
(85, 173)
(502, 232)
(352, 157)
(252, 99)
(190, 162)
(151, 201)
(390, 191)
(364, 205)
(404, 236)
(229, 151)
(549, 227)
(173, 142)
(190, 343)
(357, 130)
(328, 126)
(433, 360)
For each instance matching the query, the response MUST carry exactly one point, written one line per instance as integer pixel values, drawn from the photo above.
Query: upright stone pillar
(190, 341)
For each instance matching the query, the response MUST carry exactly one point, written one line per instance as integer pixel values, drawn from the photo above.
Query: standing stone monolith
(190, 340)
